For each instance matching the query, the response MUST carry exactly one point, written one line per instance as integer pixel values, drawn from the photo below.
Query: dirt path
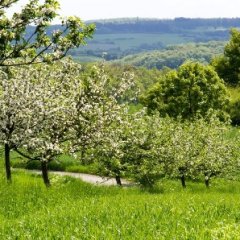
(94, 179)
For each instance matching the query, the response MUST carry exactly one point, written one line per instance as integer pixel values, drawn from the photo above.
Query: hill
(174, 56)
(121, 37)
(118, 38)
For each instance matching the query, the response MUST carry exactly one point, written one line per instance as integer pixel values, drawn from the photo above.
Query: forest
(164, 125)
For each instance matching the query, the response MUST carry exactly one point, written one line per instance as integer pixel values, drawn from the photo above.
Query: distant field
(127, 41)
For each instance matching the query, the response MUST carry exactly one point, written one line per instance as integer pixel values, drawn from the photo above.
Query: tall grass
(71, 209)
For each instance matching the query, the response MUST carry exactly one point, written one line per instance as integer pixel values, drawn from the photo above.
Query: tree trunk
(7, 162)
(183, 181)
(45, 174)
(118, 180)
(83, 157)
(207, 181)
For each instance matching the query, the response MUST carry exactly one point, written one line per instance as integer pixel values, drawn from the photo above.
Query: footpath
(90, 178)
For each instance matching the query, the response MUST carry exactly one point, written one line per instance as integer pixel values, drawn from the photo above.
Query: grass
(71, 209)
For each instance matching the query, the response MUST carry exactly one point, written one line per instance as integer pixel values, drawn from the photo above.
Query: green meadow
(72, 209)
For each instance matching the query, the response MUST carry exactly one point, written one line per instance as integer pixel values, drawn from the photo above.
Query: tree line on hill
(174, 56)
(177, 25)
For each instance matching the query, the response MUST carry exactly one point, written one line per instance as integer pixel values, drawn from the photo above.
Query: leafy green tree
(189, 91)
(181, 150)
(131, 148)
(228, 64)
(40, 45)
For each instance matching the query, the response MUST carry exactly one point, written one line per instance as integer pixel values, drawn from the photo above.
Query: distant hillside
(174, 56)
(121, 37)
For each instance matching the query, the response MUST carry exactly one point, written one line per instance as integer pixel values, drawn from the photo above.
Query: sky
(105, 9)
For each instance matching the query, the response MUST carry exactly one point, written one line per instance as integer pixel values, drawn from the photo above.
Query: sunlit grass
(71, 209)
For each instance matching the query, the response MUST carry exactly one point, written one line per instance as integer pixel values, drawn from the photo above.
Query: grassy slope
(72, 209)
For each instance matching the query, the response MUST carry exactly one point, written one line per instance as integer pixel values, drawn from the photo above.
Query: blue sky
(104, 9)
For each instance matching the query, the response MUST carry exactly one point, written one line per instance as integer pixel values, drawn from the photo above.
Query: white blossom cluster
(149, 147)
(52, 109)
(36, 105)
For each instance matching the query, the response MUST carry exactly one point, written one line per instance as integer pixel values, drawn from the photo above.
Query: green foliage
(174, 148)
(143, 78)
(233, 108)
(234, 112)
(190, 91)
(33, 165)
(201, 148)
(228, 65)
(90, 168)
(38, 45)
(146, 148)
(36, 165)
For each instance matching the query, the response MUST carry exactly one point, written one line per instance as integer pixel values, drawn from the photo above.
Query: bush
(90, 169)
(234, 112)
(56, 166)
(31, 165)
(19, 164)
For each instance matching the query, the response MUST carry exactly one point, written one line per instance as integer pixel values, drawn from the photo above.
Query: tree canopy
(191, 90)
(39, 45)
(228, 64)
